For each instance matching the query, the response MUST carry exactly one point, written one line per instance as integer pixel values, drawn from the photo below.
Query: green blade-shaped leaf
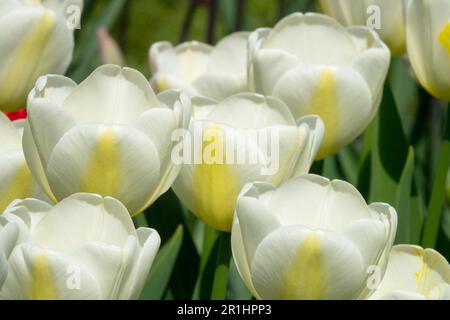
(403, 203)
(161, 271)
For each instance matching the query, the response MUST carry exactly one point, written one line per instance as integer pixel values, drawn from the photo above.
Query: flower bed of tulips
(304, 159)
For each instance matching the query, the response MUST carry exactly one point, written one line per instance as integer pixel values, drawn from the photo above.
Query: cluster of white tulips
(92, 155)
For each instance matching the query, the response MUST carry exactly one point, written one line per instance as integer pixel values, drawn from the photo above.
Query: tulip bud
(110, 52)
(85, 247)
(109, 135)
(200, 69)
(35, 40)
(318, 67)
(310, 238)
(384, 16)
(246, 137)
(428, 44)
(16, 181)
(414, 273)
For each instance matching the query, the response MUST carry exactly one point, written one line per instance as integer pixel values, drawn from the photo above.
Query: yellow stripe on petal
(103, 174)
(216, 186)
(324, 103)
(305, 278)
(42, 282)
(23, 71)
(21, 186)
(444, 37)
(422, 275)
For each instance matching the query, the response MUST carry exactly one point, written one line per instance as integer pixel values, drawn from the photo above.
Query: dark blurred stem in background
(240, 4)
(281, 8)
(211, 21)
(123, 23)
(186, 26)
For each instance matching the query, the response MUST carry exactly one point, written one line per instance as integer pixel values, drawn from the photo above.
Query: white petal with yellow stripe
(292, 61)
(414, 273)
(109, 135)
(255, 138)
(310, 238)
(35, 41)
(93, 251)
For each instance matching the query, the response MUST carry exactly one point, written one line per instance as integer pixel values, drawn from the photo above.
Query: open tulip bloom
(16, 181)
(36, 39)
(92, 252)
(110, 135)
(310, 238)
(316, 66)
(247, 126)
(200, 69)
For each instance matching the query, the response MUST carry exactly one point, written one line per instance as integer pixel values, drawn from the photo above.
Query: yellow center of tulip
(42, 282)
(444, 37)
(21, 186)
(305, 278)
(23, 69)
(215, 185)
(324, 103)
(103, 173)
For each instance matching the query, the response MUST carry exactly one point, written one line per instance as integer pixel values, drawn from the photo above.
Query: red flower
(21, 114)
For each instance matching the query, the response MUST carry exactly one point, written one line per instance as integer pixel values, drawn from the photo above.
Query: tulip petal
(39, 274)
(311, 265)
(108, 160)
(315, 35)
(415, 270)
(310, 190)
(83, 218)
(111, 95)
(10, 135)
(333, 93)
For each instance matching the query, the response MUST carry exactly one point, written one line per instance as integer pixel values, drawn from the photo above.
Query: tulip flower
(200, 69)
(318, 67)
(110, 52)
(36, 39)
(9, 236)
(428, 44)
(310, 238)
(85, 247)
(414, 273)
(110, 135)
(16, 181)
(250, 138)
(17, 115)
(385, 16)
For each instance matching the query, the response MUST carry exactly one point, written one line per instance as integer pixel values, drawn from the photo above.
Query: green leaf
(85, 58)
(348, 162)
(161, 270)
(403, 203)
(389, 152)
(220, 281)
(435, 206)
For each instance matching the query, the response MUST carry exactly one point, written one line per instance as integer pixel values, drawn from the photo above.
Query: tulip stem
(433, 219)
(220, 282)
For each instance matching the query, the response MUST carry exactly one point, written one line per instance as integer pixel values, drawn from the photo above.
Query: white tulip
(85, 247)
(36, 39)
(9, 237)
(16, 181)
(414, 273)
(255, 138)
(318, 67)
(110, 135)
(384, 16)
(310, 238)
(200, 69)
(428, 44)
